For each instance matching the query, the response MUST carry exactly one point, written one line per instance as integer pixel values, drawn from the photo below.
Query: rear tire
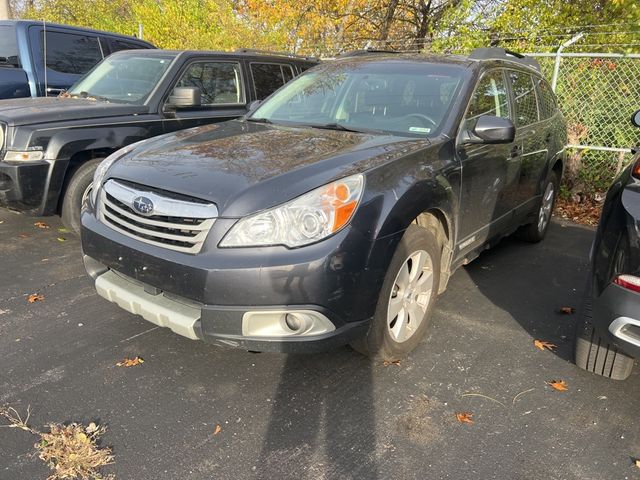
(595, 354)
(536, 231)
(74, 195)
(406, 299)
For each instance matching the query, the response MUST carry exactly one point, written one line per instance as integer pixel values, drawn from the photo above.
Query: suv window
(118, 45)
(546, 99)
(268, 77)
(71, 53)
(526, 107)
(489, 98)
(8, 47)
(219, 82)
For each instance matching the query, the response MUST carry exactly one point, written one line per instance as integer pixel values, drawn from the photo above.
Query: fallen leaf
(464, 417)
(386, 363)
(130, 362)
(41, 225)
(63, 230)
(217, 430)
(62, 239)
(35, 297)
(559, 385)
(638, 463)
(567, 310)
(92, 427)
(541, 344)
(23, 235)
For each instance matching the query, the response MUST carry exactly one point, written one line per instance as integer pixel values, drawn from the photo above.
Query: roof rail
(275, 54)
(495, 53)
(366, 51)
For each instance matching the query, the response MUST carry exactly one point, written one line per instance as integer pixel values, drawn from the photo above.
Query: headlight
(101, 171)
(307, 219)
(3, 132)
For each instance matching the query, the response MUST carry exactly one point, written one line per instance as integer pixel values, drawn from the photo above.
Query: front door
(222, 92)
(490, 173)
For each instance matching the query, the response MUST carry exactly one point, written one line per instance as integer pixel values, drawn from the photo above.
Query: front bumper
(32, 187)
(207, 296)
(616, 314)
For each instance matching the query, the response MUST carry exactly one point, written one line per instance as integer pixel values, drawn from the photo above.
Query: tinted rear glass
(8, 46)
(268, 77)
(71, 53)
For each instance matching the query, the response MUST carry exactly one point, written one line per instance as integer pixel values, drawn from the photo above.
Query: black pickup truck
(50, 147)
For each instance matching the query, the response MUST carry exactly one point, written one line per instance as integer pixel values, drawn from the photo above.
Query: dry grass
(71, 451)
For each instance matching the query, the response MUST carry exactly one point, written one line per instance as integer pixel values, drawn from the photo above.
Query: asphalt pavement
(329, 416)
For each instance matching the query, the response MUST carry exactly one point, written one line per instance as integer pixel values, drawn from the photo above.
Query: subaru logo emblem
(143, 205)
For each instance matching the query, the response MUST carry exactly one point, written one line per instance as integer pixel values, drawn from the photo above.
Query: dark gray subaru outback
(337, 210)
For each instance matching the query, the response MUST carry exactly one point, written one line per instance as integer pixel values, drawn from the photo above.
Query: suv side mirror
(635, 119)
(185, 97)
(491, 129)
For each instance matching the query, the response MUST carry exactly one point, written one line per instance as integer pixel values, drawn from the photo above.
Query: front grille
(174, 222)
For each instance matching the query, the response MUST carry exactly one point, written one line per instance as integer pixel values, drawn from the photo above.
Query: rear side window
(70, 52)
(118, 45)
(268, 77)
(219, 82)
(8, 47)
(546, 99)
(524, 96)
(489, 98)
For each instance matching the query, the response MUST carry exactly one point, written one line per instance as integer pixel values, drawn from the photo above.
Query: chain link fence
(597, 93)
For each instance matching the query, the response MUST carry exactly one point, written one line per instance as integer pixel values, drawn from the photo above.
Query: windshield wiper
(343, 128)
(90, 96)
(259, 120)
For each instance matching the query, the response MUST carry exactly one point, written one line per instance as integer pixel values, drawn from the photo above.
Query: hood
(30, 111)
(244, 167)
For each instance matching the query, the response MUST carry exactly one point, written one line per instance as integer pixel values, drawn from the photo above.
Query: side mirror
(185, 97)
(635, 119)
(490, 129)
(254, 105)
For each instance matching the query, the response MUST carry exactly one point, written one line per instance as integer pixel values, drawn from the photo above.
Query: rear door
(490, 173)
(222, 91)
(267, 77)
(530, 136)
(67, 55)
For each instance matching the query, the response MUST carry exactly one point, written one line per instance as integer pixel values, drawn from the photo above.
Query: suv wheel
(536, 231)
(76, 192)
(406, 299)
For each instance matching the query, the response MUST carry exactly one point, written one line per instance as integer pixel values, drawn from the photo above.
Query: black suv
(337, 211)
(50, 147)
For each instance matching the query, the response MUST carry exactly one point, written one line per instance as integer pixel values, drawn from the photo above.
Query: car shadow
(322, 423)
(533, 282)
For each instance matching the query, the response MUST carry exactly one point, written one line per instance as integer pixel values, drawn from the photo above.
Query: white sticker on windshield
(420, 129)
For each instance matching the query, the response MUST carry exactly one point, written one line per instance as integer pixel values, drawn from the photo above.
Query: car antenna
(44, 42)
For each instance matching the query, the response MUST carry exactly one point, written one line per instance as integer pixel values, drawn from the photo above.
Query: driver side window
(489, 98)
(219, 82)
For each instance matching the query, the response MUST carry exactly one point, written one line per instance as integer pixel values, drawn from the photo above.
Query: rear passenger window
(546, 99)
(71, 53)
(219, 82)
(489, 98)
(118, 45)
(526, 108)
(268, 77)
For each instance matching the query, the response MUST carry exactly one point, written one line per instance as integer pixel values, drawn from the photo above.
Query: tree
(5, 10)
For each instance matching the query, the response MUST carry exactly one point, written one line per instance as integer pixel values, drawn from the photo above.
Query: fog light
(285, 323)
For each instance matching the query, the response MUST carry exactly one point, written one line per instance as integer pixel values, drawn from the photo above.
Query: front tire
(406, 299)
(77, 189)
(536, 231)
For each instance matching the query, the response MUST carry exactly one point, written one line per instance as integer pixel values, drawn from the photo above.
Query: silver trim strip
(165, 206)
(617, 326)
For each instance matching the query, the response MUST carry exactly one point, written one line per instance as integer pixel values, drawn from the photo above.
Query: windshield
(8, 47)
(401, 98)
(123, 78)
